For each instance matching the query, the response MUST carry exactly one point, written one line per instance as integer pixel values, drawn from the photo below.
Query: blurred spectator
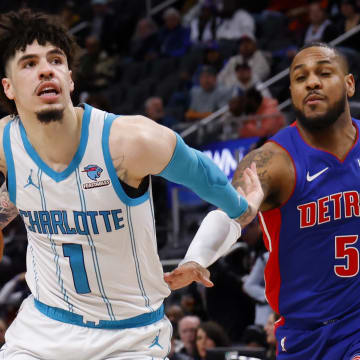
(227, 304)
(235, 24)
(247, 52)
(208, 97)
(99, 101)
(254, 286)
(210, 335)
(173, 355)
(187, 328)
(245, 80)
(145, 43)
(211, 56)
(267, 119)
(350, 19)
(154, 109)
(175, 314)
(68, 15)
(104, 25)
(254, 336)
(204, 26)
(174, 38)
(96, 68)
(320, 28)
(270, 335)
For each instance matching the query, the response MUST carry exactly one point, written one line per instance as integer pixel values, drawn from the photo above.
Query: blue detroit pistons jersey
(91, 248)
(313, 269)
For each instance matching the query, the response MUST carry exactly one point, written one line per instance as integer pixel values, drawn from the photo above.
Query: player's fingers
(252, 172)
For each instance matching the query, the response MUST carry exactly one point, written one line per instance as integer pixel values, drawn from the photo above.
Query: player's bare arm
(139, 147)
(276, 174)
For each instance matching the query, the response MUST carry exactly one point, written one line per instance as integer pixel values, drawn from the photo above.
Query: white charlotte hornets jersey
(91, 248)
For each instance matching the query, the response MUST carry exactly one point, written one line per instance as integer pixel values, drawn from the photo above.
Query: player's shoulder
(134, 128)
(271, 154)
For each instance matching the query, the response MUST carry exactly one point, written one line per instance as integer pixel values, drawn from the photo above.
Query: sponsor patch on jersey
(94, 172)
(356, 357)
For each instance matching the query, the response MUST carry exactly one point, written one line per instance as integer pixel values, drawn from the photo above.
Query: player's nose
(313, 82)
(45, 71)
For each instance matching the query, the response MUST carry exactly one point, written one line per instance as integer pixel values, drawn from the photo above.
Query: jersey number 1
(344, 250)
(76, 258)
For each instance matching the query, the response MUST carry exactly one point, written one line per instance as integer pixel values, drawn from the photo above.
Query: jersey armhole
(108, 121)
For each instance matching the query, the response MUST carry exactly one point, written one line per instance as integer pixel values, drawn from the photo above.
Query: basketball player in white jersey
(79, 178)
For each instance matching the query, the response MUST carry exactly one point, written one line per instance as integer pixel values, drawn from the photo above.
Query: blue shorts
(338, 339)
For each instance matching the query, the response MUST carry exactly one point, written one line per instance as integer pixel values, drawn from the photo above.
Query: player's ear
(350, 85)
(8, 89)
(72, 86)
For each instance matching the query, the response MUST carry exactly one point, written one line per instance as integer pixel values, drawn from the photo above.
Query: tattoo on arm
(8, 210)
(262, 159)
(121, 171)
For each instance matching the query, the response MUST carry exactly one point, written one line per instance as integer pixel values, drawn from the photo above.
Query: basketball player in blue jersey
(79, 178)
(310, 175)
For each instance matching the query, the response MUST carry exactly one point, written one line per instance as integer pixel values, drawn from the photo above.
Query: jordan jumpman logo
(30, 181)
(156, 341)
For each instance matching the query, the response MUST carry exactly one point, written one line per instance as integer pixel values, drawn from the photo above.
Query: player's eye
(29, 64)
(300, 78)
(325, 74)
(56, 61)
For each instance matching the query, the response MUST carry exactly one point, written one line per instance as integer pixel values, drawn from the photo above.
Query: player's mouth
(48, 91)
(314, 99)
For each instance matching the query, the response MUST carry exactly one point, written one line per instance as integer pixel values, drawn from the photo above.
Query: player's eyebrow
(320, 62)
(56, 51)
(26, 57)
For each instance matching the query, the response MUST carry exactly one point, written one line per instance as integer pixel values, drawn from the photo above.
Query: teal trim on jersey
(36, 277)
(59, 176)
(152, 214)
(111, 169)
(136, 260)
(76, 319)
(93, 251)
(53, 245)
(11, 175)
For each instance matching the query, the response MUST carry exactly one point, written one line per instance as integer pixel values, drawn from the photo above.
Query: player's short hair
(20, 29)
(340, 56)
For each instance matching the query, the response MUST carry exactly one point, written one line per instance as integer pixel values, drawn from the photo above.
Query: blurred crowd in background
(177, 67)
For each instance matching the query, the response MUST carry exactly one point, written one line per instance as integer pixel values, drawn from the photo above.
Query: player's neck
(337, 138)
(56, 142)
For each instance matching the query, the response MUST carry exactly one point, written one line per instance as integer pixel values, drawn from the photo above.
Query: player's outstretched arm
(217, 233)
(145, 147)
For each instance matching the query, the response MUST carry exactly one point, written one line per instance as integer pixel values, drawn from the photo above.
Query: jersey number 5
(76, 258)
(344, 250)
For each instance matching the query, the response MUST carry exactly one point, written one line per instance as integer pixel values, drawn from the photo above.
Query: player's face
(319, 87)
(38, 79)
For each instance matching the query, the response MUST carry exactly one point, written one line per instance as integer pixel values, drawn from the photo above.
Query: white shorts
(33, 335)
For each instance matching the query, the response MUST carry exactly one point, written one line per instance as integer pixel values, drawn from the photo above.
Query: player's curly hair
(22, 28)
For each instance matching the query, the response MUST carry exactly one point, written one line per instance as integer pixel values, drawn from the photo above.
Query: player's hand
(186, 273)
(253, 192)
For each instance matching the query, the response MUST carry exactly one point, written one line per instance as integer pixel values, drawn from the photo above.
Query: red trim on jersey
(293, 162)
(270, 222)
(325, 151)
(277, 324)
